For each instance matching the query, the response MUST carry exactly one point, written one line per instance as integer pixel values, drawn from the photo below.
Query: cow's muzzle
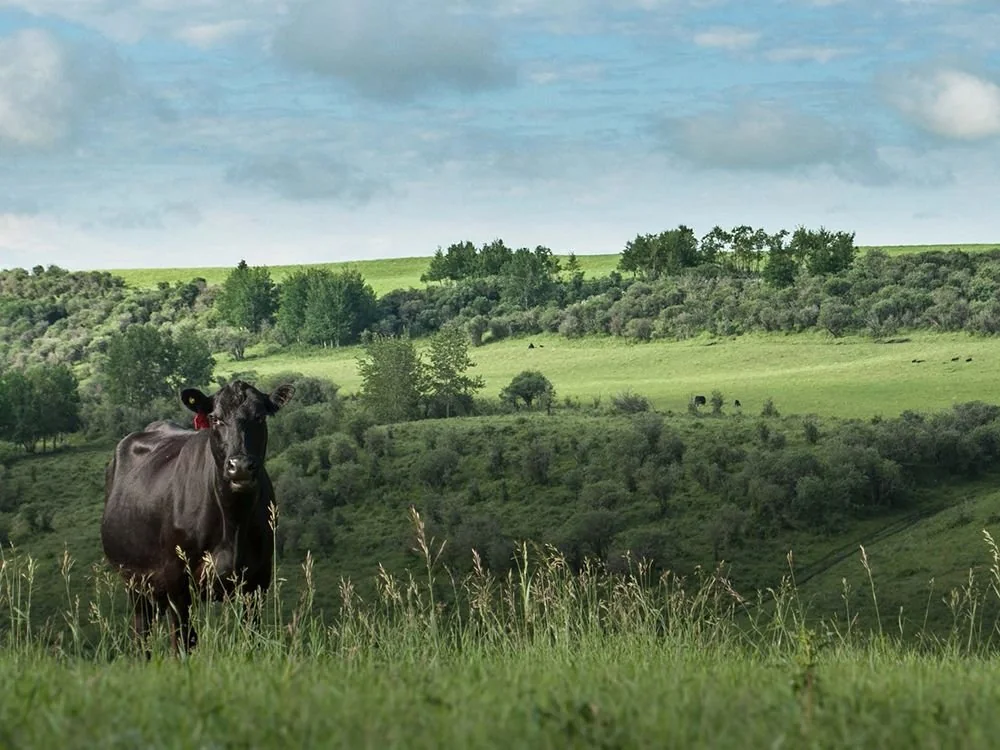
(241, 471)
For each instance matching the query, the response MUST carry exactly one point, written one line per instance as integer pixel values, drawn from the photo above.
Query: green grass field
(805, 373)
(400, 273)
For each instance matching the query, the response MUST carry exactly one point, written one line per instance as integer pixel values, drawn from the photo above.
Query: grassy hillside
(400, 273)
(806, 373)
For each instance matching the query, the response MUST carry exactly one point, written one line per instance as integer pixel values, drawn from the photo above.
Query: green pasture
(804, 373)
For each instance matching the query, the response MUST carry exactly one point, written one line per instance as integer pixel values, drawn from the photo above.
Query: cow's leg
(179, 617)
(142, 617)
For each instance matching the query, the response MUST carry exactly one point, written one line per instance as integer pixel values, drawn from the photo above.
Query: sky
(141, 133)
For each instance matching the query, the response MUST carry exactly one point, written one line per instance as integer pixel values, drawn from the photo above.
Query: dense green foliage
(321, 307)
(248, 298)
(56, 316)
(38, 404)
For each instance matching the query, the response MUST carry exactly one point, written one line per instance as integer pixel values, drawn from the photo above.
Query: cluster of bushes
(54, 316)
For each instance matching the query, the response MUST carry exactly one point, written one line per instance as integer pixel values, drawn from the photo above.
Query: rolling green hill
(400, 273)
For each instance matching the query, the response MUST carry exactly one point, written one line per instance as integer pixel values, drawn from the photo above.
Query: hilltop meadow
(504, 517)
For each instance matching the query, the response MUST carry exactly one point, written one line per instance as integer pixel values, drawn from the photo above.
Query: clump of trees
(39, 404)
(325, 308)
(398, 385)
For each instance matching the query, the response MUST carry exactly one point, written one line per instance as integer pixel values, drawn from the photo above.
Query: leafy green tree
(193, 360)
(781, 264)
(529, 276)
(323, 307)
(22, 416)
(293, 302)
(529, 386)
(392, 378)
(493, 257)
(38, 404)
(57, 389)
(823, 251)
(249, 298)
(458, 262)
(652, 255)
(144, 363)
(449, 360)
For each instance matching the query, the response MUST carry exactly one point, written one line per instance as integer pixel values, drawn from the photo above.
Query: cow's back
(142, 478)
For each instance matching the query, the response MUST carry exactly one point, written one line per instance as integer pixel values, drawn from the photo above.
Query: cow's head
(237, 416)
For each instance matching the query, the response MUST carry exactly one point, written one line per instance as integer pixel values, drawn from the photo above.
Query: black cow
(699, 401)
(205, 492)
(737, 404)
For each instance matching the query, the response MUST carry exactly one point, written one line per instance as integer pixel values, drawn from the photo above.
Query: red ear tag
(201, 421)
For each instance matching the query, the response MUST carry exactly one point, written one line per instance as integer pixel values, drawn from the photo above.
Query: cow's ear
(197, 401)
(282, 395)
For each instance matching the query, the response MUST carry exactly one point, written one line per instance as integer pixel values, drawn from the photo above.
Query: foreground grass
(618, 692)
(544, 658)
(803, 373)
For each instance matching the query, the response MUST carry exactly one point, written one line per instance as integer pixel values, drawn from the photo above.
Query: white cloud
(206, 35)
(949, 103)
(727, 37)
(48, 87)
(805, 53)
(130, 21)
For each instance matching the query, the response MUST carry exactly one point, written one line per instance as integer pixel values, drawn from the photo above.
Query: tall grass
(540, 602)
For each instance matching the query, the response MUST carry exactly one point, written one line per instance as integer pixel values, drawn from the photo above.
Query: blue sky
(198, 132)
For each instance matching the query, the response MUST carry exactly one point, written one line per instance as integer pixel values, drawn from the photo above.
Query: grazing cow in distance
(969, 359)
(204, 492)
(955, 359)
(737, 403)
(700, 401)
(531, 345)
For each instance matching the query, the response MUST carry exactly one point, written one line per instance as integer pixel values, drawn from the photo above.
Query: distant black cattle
(531, 346)
(205, 492)
(699, 401)
(969, 359)
(737, 403)
(955, 359)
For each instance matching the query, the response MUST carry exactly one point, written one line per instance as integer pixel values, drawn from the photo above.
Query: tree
(144, 363)
(823, 251)
(323, 307)
(668, 252)
(449, 359)
(22, 416)
(248, 298)
(193, 361)
(529, 386)
(37, 404)
(781, 264)
(57, 391)
(392, 378)
(528, 277)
